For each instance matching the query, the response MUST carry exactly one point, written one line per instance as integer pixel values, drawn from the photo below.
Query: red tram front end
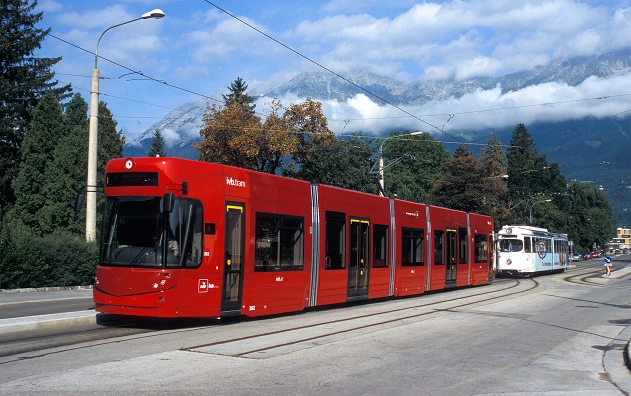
(174, 240)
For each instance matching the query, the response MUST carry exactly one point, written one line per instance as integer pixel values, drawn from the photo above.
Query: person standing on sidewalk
(608, 265)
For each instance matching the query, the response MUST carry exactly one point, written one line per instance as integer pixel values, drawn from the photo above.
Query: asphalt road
(551, 335)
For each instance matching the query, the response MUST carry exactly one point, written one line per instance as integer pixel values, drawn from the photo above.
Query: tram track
(264, 345)
(583, 276)
(114, 328)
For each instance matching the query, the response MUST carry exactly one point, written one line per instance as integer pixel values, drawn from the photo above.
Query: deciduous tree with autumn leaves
(233, 134)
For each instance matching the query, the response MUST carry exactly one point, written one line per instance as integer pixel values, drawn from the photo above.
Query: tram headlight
(509, 262)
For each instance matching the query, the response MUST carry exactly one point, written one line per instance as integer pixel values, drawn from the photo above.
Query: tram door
(452, 257)
(233, 260)
(359, 259)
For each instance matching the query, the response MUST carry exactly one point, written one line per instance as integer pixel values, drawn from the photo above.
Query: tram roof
(518, 229)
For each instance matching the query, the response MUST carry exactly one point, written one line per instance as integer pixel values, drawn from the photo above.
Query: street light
(534, 203)
(381, 167)
(90, 216)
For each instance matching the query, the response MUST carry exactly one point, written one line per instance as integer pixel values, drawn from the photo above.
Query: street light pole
(90, 216)
(381, 165)
(534, 203)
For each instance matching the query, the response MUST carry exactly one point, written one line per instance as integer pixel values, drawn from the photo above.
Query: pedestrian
(608, 265)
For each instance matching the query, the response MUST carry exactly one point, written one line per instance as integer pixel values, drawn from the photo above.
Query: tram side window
(462, 240)
(335, 253)
(542, 245)
(560, 246)
(527, 246)
(380, 246)
(279, 242)
(412, 246)
(439, 248)
(481, 248)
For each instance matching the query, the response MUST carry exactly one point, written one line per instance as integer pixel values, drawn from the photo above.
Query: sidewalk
(61, 319)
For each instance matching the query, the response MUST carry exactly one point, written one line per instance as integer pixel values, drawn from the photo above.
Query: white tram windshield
(511, 245)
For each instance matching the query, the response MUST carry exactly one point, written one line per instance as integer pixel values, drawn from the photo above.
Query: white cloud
(48, 6)
(485, 109)
(463, 39)
(106, 17)
(228, 38)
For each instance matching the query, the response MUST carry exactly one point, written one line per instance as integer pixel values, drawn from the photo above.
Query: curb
(45, 289)
(50, 321)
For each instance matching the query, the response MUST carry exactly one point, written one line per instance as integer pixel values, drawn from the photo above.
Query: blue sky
(201, 50)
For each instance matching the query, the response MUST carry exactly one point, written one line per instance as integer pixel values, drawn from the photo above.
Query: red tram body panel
(183, 238)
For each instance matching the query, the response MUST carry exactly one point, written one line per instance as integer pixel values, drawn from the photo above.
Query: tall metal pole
(381, 172)
(90, 216)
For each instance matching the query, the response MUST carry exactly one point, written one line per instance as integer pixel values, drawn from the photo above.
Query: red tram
(184, 238)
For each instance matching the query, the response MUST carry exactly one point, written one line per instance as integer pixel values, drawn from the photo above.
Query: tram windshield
(135, 230)
(511, 245)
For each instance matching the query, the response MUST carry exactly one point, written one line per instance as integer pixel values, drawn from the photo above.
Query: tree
(530, 177)
(110, 146)
(24, 80)
(156, 149)
(300, 129)
(233, 135)
(343, 163)
(237, 94)
(463, 185)
(588, 216)
(111, 141)
(413, 177)
(493, 165)
(38, 147)
(521, 158)
(68, 171)
(221, 128)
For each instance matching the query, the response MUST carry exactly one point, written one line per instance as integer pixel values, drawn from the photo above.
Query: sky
(200, 47)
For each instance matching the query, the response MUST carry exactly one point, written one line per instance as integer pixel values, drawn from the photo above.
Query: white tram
(525, 251)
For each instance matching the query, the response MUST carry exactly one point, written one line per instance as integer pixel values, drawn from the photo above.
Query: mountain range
(596, 150)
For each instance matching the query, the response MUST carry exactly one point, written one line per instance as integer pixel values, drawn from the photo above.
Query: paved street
(550, 335)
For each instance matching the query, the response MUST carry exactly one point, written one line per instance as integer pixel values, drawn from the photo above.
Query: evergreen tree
(460, 187)
(493, 164)
(110, 146)
(24, 79)
(587, 215)
(521, 158)
(237, 94)
(413, 177)
(343, 163)
(38, 148)
(111, 141)
(156, 149)
(68, 171)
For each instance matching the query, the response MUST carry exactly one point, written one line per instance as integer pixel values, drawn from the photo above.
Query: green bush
(31, 261)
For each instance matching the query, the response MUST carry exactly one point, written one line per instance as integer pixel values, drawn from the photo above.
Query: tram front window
(511, 245)
(135, 231)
